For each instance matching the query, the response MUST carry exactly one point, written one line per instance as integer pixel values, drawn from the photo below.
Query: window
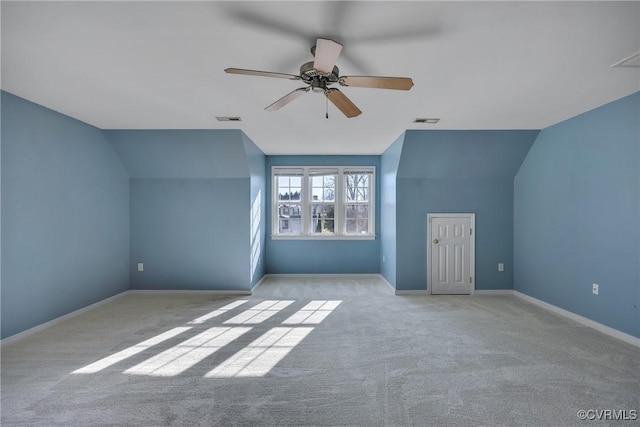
(288, 202)
(358, 190)
(323, 202)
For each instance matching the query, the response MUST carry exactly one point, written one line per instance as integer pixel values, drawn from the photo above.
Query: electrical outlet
(140, 267)
(500, 266)
(596, 289)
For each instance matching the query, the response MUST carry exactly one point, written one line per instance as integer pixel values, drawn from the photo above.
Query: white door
(451, 265)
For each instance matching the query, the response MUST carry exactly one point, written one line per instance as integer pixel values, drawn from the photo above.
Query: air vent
(229, 119)
(632, 61)
(427, 121)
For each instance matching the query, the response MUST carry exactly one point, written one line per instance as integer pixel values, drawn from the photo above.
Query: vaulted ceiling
(475, 65)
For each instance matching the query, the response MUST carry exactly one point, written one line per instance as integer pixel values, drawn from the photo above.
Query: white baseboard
(629, 339)
(21, 335)
(384, 280)
(260, 282)
(189, 292)
(478, 292)
(493, 292)
(324, 276)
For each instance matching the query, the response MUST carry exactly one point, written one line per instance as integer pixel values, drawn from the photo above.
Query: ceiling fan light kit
(322, 72)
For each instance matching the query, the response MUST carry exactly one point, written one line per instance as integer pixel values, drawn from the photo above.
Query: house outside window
(323, 202)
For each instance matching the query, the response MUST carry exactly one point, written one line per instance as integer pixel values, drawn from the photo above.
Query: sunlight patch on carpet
(183, 356)
(259, 313)
(259, 357)
(131, 351)
(255, 360)
(313, 313)
(218, 312)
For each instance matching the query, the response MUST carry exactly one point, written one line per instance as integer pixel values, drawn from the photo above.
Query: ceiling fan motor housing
(317, 80)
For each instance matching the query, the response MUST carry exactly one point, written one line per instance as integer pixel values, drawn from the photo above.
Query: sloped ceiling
(181, 153)
(464, 155)
(475, 65)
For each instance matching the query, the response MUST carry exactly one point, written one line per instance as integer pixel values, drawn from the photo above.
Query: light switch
(500, 266)
(140, 267)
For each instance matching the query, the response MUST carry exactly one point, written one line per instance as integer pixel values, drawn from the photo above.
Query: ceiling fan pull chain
(326, 103)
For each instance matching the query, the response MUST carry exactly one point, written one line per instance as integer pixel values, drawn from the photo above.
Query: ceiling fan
(321, 73)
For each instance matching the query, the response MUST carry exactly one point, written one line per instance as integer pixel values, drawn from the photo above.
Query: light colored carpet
(339, 351)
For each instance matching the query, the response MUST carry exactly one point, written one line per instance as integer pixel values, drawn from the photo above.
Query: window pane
(357, 219)
(322, 218)
(357, 211)
(289, 221)
(296, 181)
(357, 187)
(323, 188)
(358, 179)
(289, 193)
(295, 193)
(289, 188)
(357, 226)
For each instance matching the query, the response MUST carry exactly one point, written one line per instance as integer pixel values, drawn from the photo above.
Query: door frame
(472, 246)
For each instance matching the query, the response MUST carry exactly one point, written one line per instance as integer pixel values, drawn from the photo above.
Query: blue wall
(389, 162)
(577, 215)
(181, 153)
(257, 171)
(191, 201)
(190, 233)
(322, 256)
(458, 171)
(65, 216)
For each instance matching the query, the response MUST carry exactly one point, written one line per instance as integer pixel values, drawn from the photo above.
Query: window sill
(312, 237)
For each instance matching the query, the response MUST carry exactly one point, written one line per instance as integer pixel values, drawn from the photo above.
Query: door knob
(435, 241)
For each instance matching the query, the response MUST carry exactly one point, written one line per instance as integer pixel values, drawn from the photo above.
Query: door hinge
(470, 231)
(470, 279)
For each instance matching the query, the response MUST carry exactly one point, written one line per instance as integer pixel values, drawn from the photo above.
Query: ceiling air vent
(427, 121)
(632, 61)
(229, 119)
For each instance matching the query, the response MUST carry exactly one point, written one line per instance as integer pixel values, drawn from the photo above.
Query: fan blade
(419, 32)
(397, 83)
(261, 73)
(287, 99)
(281, 26)
(326, 54)
(343, 103)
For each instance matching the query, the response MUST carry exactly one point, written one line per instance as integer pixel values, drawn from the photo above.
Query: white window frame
(307, 202)
(312, 172)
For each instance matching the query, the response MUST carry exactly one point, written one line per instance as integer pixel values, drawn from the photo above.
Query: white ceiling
(475, 65)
